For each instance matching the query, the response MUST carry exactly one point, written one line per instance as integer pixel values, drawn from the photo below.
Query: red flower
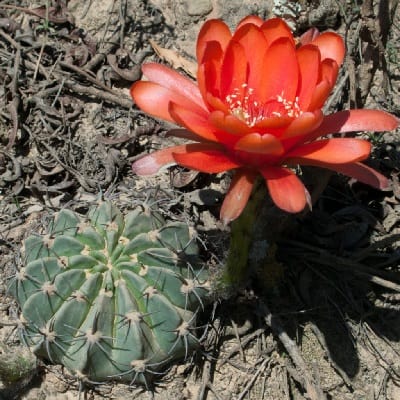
(257, 110)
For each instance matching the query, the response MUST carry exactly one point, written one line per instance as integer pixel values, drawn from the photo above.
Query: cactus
(17, 365)
(108, 297)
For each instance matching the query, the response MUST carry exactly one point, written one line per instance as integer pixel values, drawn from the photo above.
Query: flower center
(246, 107)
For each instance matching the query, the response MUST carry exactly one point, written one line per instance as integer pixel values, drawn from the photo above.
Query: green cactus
(111, 297)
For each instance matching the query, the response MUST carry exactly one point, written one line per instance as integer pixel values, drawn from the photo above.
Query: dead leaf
(77, 55)
(182, 178)
(9, 25)
(175, 59)
(130, 75)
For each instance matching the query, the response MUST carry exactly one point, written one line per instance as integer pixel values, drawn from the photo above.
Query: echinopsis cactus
(111, 297)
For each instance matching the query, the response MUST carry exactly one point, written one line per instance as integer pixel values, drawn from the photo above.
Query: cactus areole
(108, 297)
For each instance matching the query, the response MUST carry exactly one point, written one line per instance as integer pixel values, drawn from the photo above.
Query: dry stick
(13, 110)
(110, 96)
(206, 377)
(13, 106)
(213, 337)
(313, 391)
(206, 383)
(368, 276)
(260, 369)
(381, 358)
(86, 90)
(321, 339)
(3, 323)
(235, 329)
(36, 13)
(286, 383)
(348, 265)
(367, 327)
(242, 343)
(379, 281)
(237, 365)
(123, 101)
(214, 391)
(39, 58)
(41, 69)
(122, 19)
(381, 243)
(85, 75)
(383, 385)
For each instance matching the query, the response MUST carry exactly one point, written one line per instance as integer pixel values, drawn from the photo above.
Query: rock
(199, 7)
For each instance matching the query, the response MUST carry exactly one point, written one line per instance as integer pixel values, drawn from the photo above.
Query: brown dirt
(68, 134)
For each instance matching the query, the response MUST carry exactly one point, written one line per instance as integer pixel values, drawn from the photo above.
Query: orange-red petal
(213, 29)
(209, 73)
(331, 151)
(205, 158)
(250, 19)
(204, 77)
(255, 45)
(280, 72)
(238, 195)
(272, 124)
(329, 71)
(309, 60)
(285, 189)
(303, 125)
(150, 164)
(229, 124)
(362, 173)
(320, 95)
(233, 71)
(174, 81)
(355, 120)
(193, 121)
(261, 144)
(330, 45)
(276, 28)
(155, 100)
(216, 104)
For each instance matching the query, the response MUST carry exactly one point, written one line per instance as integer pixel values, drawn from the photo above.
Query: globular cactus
(111, 297)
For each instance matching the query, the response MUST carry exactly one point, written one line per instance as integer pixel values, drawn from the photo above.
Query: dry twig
(14, 104)
(339, 370)
(386, 279)
(313, 390)
(264, 365)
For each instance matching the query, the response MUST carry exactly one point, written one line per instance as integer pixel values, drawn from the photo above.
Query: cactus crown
(111, 297)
